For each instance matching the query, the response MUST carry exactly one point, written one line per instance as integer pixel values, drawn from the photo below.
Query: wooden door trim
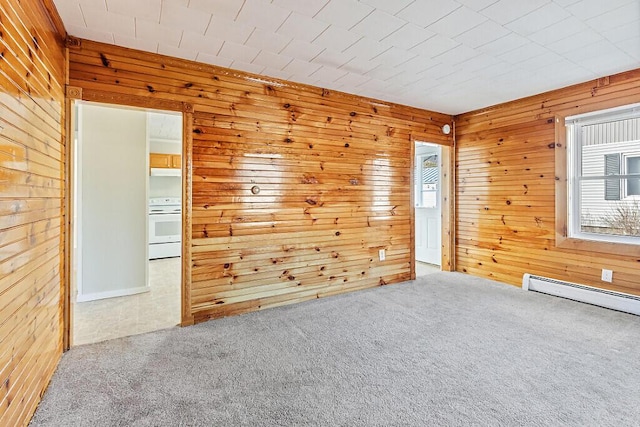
(187, 225)
(412, 211)
(447, 197)
(82, 94)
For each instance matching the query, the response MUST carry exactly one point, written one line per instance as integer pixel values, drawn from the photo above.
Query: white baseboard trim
(111, 294)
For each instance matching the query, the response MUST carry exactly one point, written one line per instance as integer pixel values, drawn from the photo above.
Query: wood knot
(104, 60)
(352, 114)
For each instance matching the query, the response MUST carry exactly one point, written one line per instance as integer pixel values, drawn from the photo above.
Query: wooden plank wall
(32, 67)
(330, 174)
(505, 188)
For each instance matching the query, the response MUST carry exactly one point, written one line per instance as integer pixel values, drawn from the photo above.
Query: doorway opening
(428, 207)
(127, 221)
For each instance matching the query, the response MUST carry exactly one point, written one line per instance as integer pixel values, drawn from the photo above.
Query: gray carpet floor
(447, 349)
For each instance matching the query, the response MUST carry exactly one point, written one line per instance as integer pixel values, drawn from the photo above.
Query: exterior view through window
(604, 175)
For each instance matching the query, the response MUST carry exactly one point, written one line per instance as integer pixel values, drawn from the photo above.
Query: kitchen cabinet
(160, 160)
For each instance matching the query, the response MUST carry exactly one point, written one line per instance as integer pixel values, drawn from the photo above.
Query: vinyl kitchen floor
(422, 269)
(110, 318)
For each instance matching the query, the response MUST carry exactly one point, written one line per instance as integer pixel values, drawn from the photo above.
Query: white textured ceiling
(450, 56)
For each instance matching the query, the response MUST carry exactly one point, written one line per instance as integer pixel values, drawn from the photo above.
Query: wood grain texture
(32, 78)
(507, 200)
(294, 188)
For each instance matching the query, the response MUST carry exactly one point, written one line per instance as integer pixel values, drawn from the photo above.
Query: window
(633, 168)
(427, 176)
(603, 174)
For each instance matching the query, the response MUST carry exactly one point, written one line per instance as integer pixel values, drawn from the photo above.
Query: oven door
(165, 228)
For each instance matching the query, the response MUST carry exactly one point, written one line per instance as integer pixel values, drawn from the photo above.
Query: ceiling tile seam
(365, 17)
(248, 37)
(409, 4)
(383, 52)
(352, 44)
(321, 9)
(406, 24)
(444, 16)
(220, 48)
(520, 16)
(283, 21)
(82, 13)
(208, 23)
(240, 10)
(323, 31)
(320, 53)
(401, 71)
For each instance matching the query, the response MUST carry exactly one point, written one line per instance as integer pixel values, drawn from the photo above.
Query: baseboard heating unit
(601, 297)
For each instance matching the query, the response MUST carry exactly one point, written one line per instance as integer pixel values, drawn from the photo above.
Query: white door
(427, 199)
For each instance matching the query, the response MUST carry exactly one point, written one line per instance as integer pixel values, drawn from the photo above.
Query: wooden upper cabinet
(159, 160)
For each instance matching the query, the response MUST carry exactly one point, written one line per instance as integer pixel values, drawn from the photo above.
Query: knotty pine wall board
(506, 186)
(333, 172)
(32, 78)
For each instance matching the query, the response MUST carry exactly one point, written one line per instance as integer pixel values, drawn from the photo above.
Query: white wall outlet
(607, 275)
(382, 255)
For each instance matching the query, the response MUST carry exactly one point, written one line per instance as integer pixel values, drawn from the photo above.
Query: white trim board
(112, 294)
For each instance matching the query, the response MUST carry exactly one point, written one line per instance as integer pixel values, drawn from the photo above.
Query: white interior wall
(113, 201)
(165, 136)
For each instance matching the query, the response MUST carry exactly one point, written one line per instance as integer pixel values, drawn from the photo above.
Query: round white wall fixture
(446, 129)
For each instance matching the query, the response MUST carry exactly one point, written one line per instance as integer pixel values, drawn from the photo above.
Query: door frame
(75, 93)
(447, 197)
(424, 149)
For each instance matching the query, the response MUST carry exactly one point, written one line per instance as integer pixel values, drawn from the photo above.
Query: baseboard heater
(601, 297)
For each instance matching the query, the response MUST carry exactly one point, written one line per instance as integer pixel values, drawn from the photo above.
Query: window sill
(597, 246)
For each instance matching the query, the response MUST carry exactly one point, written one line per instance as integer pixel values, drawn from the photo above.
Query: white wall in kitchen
(165, 186)
(112, 204)
(165, 136)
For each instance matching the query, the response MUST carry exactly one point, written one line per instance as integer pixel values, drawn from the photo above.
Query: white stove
(165, 227)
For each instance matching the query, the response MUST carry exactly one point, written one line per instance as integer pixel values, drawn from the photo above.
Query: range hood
(165, 172)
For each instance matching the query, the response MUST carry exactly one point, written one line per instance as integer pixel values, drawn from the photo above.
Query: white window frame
(574, 162)
(625, 157)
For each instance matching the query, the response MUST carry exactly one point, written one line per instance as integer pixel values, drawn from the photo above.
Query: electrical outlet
(607, 275)
(382, 255)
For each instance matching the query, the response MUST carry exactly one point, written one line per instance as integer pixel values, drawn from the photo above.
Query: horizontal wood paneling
(506, 188)
(333, 172)
(31, 156)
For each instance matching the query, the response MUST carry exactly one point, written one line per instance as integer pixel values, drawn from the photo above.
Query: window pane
(633, 165)
(633, 187)
(607, 217)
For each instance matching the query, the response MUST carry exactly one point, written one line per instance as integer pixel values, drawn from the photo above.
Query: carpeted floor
(447, 349)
